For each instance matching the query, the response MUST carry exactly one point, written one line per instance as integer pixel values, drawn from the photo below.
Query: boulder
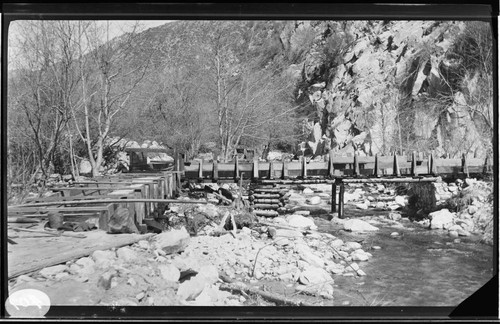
(472, 209)
(52, 271)
(362, 206)
(394, 216)
(143, 244)
(357, 225)
(280, 232)
(126, 254)
(172, 241)
(190, 289)
(352, 245)
(380, 205)
(336, 243)
(103, 259)
(169, 272)
(302, 212)
(441, 219)
(313, 276)
(400, 200)
(316, 200)
(301, 222)
(351, 196)
(307, 191)
(85, 167)
(453, 233)
(360, 255)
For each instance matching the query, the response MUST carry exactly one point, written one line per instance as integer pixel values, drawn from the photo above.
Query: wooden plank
(32, 254)
(268, 196)
(106, 201)
(390, 180)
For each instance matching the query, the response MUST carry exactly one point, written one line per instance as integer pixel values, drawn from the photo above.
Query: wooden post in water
(395, 166)
(465, 167)
(284, 173)
(334, 197)
(236, 168)
(486, 167)
(215, 171)
(431, 164)
(304, 167)
(341, 200)
(356, 165)
(255, 169)
(270, 176)
(375, 169)
(414, 164)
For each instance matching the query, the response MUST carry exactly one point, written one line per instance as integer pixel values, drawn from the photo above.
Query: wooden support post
(356, 165)
(236, 168)
(414, 164)
(465, 166)
(200, 171)
(341, 200)
(284, 173)
(395, 166)
(255, 170)
(331, 169)
(375, 168)
(215, 171)
(271, 170)
(304, 168)
(431, 165)
(486, 166)
(334, 197)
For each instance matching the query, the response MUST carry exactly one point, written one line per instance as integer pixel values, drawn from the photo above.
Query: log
(266, 213)
(266, 206)
(278, 299)
(390, 180)
(269, 190)
(22, 220)
(110, 201)
(49, 233)
(268, 196)
(266, 201)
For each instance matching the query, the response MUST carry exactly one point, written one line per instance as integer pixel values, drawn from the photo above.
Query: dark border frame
(358, 10)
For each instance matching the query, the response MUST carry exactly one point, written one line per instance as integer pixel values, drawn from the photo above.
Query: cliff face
(382, 86)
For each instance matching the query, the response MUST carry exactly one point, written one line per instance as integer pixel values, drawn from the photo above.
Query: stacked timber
(268, 201)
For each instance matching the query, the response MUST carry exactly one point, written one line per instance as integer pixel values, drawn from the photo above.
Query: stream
(419, 267)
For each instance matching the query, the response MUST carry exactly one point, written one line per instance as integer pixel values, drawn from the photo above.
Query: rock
(303, 212)
(143, 244)
(258, 274)
(61, 275)
(105, 279)
(172, 241)
(85, 167)
(52, 271)
(380, 187)
(376, 247)
(400, 200)
(190, 289)
(280, 232)
(246, 230)
(336, 243)
(353, 266)
(362, 206)
(472, 209)
(453, 233)
(326, 291)
(380, 205)
(169, 272)
(140, 296)
(455, 228)
(281, 241)
(394, 216)
(361, 273)
(441, 219)
(126, 254)
(306, 254)
(357, 225)
(370, 198)
(359, 255)
(209, 273)
(351, 196)
(462, 232)
(301, 222)
(335, 268)
(84, 266)
(103, 259)
(308, 191)
(352, 245)
(316, 200)
(314, 275)
(132, 282)
(394, 206)
(67, 177)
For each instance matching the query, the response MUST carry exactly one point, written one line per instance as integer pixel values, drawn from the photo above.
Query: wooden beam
(284, 173)
(341, 200)
(334, 197)
(215, 171)
(110, 201)
(200, 170)
(414, 164)
(255, 170)
(390, 180)
(356, 165)
(395, 167)
(375, 168)
(465, 167)
(271, 171)
(236, 168)
(304, 167)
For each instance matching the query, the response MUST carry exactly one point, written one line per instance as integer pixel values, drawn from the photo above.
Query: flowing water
(419, 267)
